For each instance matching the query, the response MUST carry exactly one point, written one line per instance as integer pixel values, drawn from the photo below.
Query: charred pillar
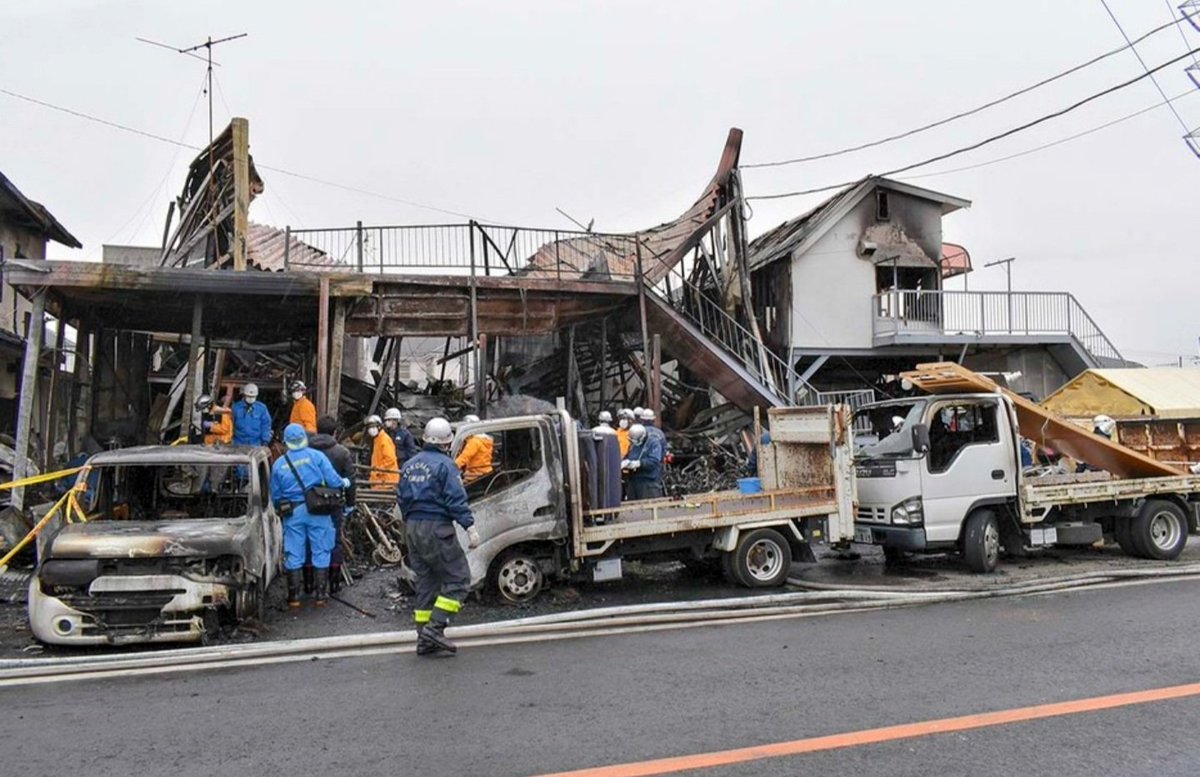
(190, 391)
(29, 372)
(323, 346)
(337, 349)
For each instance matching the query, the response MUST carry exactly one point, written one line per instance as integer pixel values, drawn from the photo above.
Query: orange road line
(886, 734)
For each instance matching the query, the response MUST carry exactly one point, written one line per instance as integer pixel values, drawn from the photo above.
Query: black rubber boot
(435, 639)
(295, 580)
(335, 578)
(310, 579)
(321, 579)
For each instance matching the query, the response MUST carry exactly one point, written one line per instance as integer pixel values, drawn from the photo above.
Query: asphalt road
(539, 708)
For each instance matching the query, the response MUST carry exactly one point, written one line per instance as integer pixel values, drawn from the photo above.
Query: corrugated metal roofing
(1161, 392)
(265, 250)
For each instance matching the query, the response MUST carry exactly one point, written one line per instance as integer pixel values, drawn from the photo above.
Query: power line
(1182, 34)
(993, 138)
(1058, 142)
(973, 111)
(1138, 54)
(280, 170)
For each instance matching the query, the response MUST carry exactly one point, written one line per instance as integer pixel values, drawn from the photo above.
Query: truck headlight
(910, 512)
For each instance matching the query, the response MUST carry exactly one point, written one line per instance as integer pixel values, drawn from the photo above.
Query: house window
(882, 210)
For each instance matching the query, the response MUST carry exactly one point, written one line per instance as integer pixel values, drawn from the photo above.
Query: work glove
(624, 463)
(634, 465)
(207, 425)
(473, 538)
(345, 482)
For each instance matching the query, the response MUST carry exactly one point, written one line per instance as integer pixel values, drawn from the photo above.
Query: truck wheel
(1159, 530)
(981, 541)
(1123, 534)
(518, 577)
(763, 559)
(729, 568)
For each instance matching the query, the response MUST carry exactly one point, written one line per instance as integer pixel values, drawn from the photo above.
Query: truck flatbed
(695, 512)
(1036, 496)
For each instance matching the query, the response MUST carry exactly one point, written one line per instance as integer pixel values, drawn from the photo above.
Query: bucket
(750, 485)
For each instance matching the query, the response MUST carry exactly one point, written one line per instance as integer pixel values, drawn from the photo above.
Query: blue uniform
(432, 498)
(303, 531)
(406, 445)
(645, 482)
(431, 489)
(251, 424)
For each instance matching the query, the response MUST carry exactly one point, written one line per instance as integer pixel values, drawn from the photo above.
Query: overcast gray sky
(618, 111)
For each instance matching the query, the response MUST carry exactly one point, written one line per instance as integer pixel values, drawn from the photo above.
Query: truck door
(520, 500)
(967, 463)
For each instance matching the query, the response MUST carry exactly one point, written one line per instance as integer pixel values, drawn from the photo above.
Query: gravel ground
(380, 593)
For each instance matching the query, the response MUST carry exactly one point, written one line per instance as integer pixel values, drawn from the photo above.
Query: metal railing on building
(1029, 314)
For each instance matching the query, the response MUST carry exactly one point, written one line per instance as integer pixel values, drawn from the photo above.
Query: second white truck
(943, 473)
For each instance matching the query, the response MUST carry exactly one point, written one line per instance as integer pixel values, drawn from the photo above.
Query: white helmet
(1105, 425)
(637, 434)
(298, 385)
(392, 414)
(637, 413)
(373, 420)
(438, 432)
(470, 418)
(250, 391)
(625, 413)
(204, 402)
(605, 417)
(648, 415)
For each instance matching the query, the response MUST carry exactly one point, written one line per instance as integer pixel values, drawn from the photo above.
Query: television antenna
(191, 51)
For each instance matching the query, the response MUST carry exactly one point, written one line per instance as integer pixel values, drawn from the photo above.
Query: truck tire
(1159, 530)
(517, 577)
(762, 559)
(1123, 534)
(729, 568)
(981, 541)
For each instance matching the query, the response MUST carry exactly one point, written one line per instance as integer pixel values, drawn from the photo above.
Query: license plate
(865, 536)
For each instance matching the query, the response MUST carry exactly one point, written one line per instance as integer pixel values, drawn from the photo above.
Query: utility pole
(1008, 283)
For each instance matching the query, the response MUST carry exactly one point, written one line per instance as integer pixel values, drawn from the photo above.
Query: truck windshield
(886, 430)
(164, 492)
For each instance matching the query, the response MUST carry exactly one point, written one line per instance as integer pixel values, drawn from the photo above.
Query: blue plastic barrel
(750, 485)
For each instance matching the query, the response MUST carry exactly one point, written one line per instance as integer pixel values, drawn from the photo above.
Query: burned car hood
(204, 537)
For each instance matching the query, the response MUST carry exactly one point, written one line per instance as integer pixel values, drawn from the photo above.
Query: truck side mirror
(920, 438)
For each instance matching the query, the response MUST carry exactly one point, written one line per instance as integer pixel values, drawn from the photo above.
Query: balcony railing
(466, 249)
(990, 314)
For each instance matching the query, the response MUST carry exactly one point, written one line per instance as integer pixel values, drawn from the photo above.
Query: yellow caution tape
(43, 478)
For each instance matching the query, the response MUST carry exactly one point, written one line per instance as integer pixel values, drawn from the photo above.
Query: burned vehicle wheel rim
(1165, 530)
(763, 560)
(519, 579)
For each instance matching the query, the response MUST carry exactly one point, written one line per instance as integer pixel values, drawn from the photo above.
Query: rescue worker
(624, 421)
(325, 441)
(644, 465)
(251, 421)
(215, 423)
(475, 458)
(1104, 426)
(604, 423)
(384, 469)
(432, 499)
(303, 532)
(406, 444)
(647, 421)
(304, 412)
